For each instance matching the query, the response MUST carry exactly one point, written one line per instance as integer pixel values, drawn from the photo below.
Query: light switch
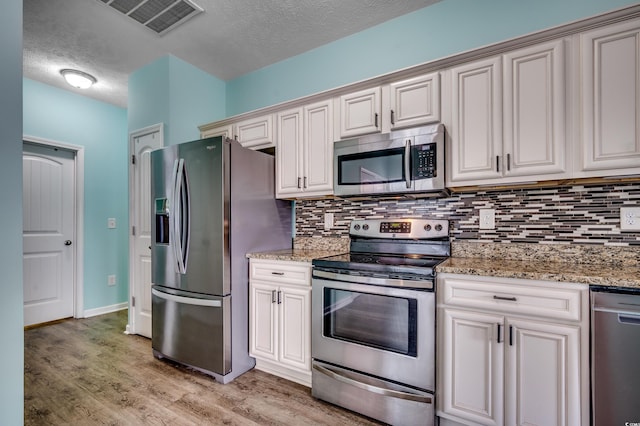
(111, 222)
(328, 221)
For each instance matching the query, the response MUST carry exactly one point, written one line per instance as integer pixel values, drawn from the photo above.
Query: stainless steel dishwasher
(615, 351)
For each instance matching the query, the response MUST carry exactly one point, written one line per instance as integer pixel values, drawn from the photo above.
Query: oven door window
(375, 167)
(384, 322)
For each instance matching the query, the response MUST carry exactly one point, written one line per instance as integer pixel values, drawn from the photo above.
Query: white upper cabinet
(255, 133)
(414, 101)
(406, 103)
(304, 154)
(534, 110)
(506, 117)
(360, 112)
(225, 131)
(475, 125)
(610, 100)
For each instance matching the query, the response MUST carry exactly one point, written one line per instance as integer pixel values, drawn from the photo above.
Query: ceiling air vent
(160, 16)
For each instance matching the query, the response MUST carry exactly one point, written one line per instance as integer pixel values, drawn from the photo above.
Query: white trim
(159, 128)
(106, 309)
(78, 288)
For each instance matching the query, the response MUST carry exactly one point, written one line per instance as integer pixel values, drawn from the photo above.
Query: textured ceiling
(231, 38)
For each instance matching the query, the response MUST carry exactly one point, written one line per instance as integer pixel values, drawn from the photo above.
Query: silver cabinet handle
(376, 119)
(299, 183)
(304, 185)
(508, 162)
(273, 296)
(279, 297)
(277, 273)
(510, 335)
(393, 118)
(499, 339)
(498, 163)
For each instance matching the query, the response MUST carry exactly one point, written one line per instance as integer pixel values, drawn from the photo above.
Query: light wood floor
(88, 372)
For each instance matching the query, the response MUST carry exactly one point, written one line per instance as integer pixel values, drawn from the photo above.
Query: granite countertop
(592, 265)
(610, 275)
(294, 255)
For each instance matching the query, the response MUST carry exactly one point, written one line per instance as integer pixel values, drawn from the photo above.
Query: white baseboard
(105, 310)
(275, 368)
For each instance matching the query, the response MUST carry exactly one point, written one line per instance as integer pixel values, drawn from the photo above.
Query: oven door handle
(375, 389)
(387, 282)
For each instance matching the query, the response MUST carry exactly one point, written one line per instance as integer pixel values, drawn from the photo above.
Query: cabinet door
(534, 110)
(471, 360)
(360, 113)
(263, 330)
(226, 131)
(289, 174)
(476, 121)
(611, 99)
(256, 133)
(318, 152)
(295, 327)
(543, 371)
(415, 101)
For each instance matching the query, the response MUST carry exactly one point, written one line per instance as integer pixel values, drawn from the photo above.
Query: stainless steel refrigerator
(213, 202)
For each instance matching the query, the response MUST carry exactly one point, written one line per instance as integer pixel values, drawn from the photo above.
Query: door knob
(67, 243)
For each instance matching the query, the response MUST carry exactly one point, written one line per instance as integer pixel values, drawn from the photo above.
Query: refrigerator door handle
(187, 300)
(180, 214)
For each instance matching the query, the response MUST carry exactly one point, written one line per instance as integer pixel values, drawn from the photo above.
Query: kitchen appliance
(213, 201)
(615, 342)
(406, 162)
(373, 320)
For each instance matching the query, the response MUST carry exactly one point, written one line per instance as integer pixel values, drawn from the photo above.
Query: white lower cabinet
(512, 352)
(280, 318)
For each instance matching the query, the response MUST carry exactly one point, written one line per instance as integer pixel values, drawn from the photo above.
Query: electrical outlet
(111, 280)
(630, 218)
(111, 223)
(328, 221)
(487, 219)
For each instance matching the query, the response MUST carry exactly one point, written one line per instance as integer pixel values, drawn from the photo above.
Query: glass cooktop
(381, 263)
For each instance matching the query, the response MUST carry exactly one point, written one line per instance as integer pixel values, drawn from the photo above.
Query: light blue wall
(11, 332)
(196, 97)
(101, 128)
(148, 102)
(437, 31)
(175, 93)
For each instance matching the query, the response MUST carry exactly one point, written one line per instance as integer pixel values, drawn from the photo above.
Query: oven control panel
(400, 228)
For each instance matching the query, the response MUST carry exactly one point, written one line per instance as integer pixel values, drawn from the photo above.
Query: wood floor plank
(87, 372)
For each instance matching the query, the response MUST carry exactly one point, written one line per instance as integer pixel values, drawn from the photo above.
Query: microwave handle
(407, 163)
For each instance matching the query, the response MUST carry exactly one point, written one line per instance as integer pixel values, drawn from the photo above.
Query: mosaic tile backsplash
(579, 214)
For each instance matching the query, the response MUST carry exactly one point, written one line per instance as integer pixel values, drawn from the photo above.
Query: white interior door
(142, 143)
(48, 233)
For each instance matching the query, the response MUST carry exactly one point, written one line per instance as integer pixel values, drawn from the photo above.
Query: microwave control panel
(423, 161)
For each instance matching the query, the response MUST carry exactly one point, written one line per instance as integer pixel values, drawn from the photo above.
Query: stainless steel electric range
(373, 320)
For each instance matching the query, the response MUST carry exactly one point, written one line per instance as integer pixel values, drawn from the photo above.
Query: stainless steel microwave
(403, 162)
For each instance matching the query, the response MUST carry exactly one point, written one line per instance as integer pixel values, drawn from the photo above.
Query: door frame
(78, 246)
(159, 127)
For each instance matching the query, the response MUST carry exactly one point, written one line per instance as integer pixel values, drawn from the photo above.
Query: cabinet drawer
(281, 272)
(515, 296)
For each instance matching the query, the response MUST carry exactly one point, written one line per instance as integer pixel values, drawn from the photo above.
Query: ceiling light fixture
(78, 79)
